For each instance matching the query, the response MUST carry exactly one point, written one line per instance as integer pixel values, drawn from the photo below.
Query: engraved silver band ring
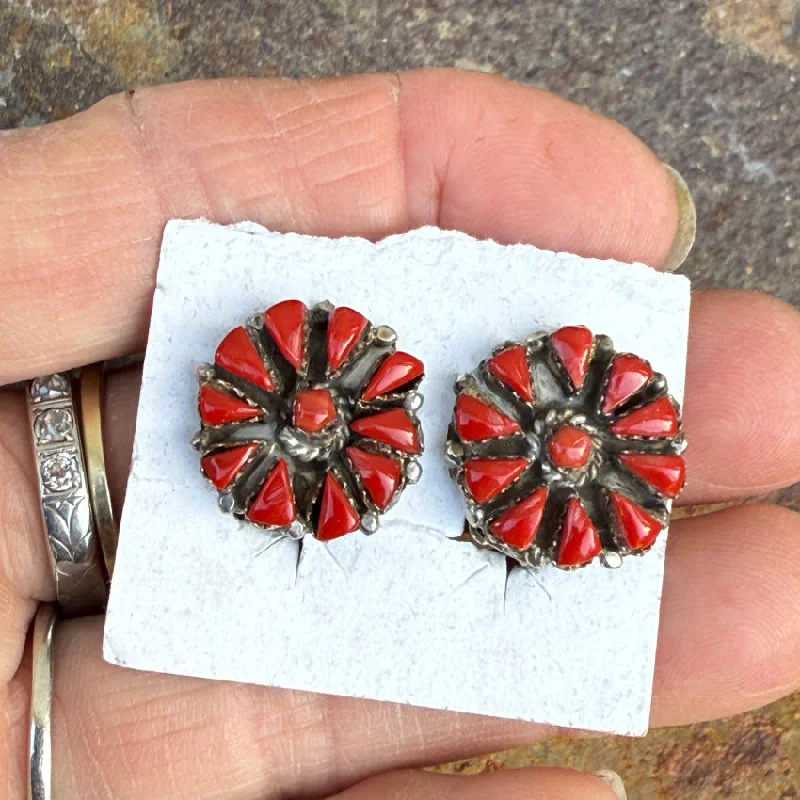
(64, 496)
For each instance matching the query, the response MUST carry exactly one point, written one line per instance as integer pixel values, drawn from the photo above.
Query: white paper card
(408, 614)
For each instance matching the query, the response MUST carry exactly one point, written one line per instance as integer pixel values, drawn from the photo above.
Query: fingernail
(687, 224)
(614, 782)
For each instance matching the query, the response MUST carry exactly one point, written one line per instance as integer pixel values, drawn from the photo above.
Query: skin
(83, 203)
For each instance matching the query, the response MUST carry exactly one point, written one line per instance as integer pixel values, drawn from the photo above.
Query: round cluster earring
(566, 450)
(308, 421)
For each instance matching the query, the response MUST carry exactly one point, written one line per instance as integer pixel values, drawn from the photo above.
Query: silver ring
(40, 754)
(63, 490)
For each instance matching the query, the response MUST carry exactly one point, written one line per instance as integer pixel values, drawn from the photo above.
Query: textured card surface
(408, 614)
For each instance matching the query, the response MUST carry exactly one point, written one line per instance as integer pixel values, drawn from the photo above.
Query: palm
(83, 204)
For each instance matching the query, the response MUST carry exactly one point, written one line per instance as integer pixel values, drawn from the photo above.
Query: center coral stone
(570, 447)
(313, 410)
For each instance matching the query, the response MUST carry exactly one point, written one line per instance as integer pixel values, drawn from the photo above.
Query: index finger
(84, 201)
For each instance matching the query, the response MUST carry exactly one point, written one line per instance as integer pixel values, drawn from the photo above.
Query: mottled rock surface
(710, 85)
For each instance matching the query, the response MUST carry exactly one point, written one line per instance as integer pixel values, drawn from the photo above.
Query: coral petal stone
(379, 474)
(487, 477)
(665, 473)
(391, 427)
(511, 367)
(313, 410)
(517, 527)
(285, 322)
(476, 420)
(218, 408)
(628, 374)
(274, 505)
(221, 468)
(570, 448)
(336, 514)
(579, 542)
(573, 346)
(345, 327)
(637, 526)
(395, 371)
(657, 420)
(237, 354)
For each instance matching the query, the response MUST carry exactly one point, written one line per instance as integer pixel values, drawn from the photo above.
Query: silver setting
(63, 489)
(310, 456)
(596, 483)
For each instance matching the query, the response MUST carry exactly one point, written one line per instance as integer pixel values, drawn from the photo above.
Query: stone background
(710, 85)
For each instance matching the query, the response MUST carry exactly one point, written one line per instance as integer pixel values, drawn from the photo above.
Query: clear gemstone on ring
(53, 425)
(60, 472)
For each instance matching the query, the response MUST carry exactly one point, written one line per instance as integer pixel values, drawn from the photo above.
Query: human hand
(83, 203)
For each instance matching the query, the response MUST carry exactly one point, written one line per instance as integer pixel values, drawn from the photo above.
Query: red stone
(274, 504)
(476, 419)
(570, 448)
(636, 525)
(573, 345)
(511, 367)
(579, 542)
(517, 527)
(237, 354)
(313, 410)
(391, 427)
(345, 327)
(336, 513)
(665, 473)
(395, 371)
(379, 474)
(218, 408)
(487, 477)
(628, 374)
(657, 420)
(221, 468)
(286, 322)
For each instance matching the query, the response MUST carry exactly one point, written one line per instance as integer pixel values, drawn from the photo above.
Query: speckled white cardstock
(409, 614)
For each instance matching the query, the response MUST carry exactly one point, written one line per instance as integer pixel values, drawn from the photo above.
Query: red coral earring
(308, 421)
(566, 450)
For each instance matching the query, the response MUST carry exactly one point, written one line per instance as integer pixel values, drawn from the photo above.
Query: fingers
(84, 200)
(729, 639)
(538, 783)
(729, 642)
(741, 413)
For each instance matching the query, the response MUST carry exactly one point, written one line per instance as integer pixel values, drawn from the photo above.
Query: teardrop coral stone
(655, 420)
(637, 526)
(336, 514)
(573, 346)
(395, 371)
(628, 374)
(274, 504)
(345, 327)
(285, 322)
(579, 542)
(487, 477)
(237, 354)
(511, 367)
(665, 473)
(379, 474)
(391, 427)
(517, 527)
(476, 420)
(218, 408)
(221, 467)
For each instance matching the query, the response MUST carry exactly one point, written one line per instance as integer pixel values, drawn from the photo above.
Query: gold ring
(40, 754)
(91, 399)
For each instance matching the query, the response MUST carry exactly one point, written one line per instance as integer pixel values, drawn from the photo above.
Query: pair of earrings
(564, 449)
